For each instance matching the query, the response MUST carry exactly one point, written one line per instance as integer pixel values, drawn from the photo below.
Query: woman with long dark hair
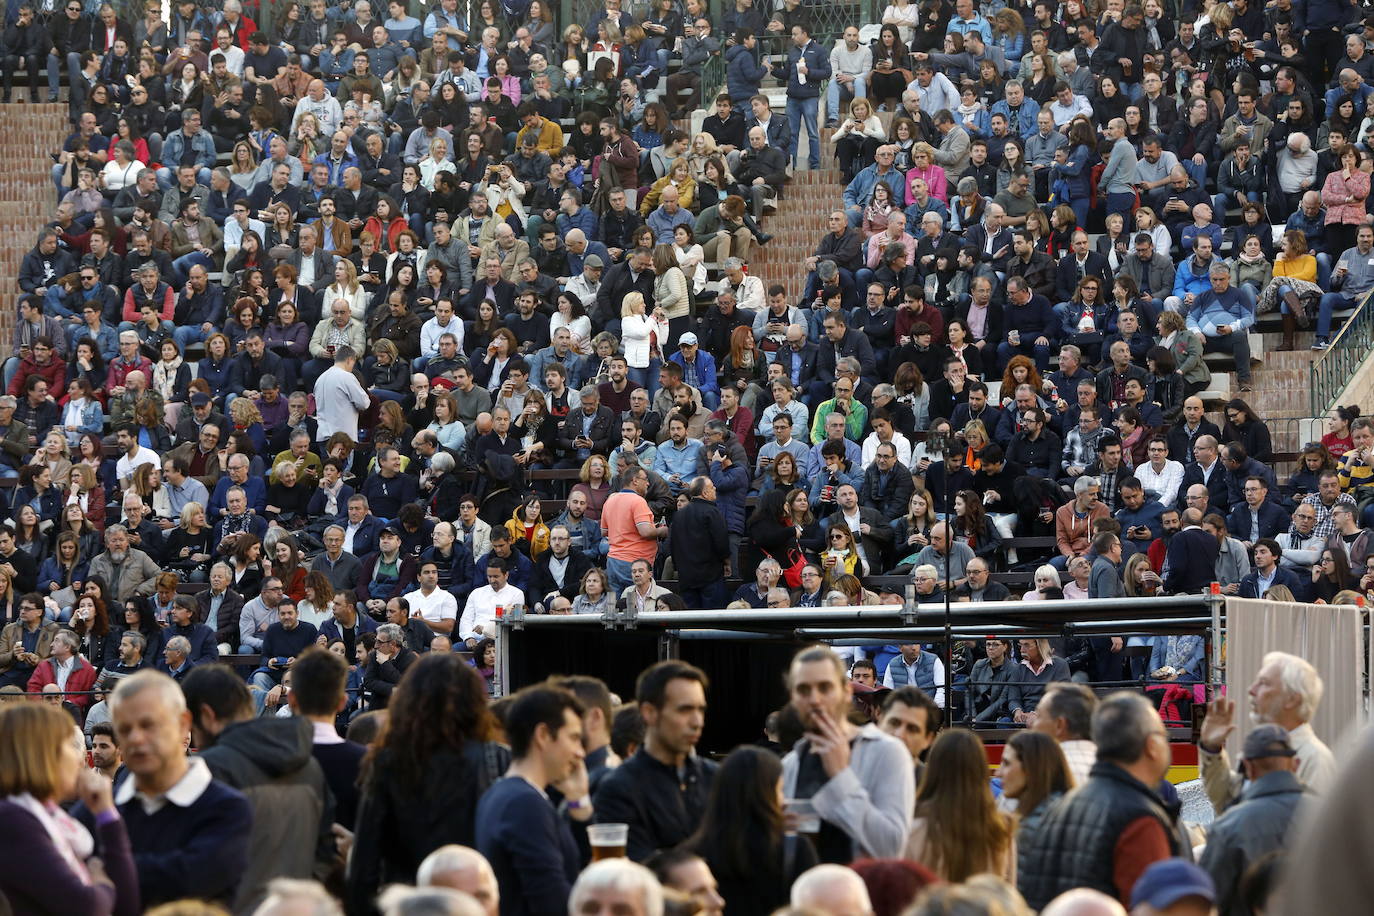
(974, 527)
(1035, 774)
(743, 837)
(958, 831)
(1245, 426)
(422, 777)
(1331, 575)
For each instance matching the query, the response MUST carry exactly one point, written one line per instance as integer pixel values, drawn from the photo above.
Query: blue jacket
(743, 73)
(1025, 123)
(665, 225)
(336, 171)
(1192, 671)
(640, 63)
(202, 143)
(315, 508)
(822, 480)
(255, 488)
(859, 192)
(817, 70)
(1210, 310)
(583, 219)
(330, 628)
(218, 377)
(705, 368)
(732, 487)
(1076, 172)
(1147, 515)
(365, 538)
(520, 570)
(1034, 318)
(682, 462)
(1185, 281)
(1273, 521)
(1301, 589)
(778, 130)
(587, 535)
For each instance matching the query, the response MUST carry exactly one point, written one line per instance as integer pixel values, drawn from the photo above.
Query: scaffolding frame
(910, 621)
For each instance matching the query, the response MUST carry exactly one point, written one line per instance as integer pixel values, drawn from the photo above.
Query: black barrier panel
(746, 676)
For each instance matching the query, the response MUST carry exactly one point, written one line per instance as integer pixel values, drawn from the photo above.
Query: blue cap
(1168, 881)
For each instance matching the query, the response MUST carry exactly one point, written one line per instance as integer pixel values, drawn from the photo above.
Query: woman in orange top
(1294, 285)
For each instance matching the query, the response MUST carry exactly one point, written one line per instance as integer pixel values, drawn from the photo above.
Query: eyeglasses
(838, 537)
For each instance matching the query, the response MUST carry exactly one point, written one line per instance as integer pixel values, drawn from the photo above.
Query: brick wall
(28, 134)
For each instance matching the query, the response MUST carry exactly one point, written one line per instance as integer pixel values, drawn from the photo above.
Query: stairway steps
(27, 197)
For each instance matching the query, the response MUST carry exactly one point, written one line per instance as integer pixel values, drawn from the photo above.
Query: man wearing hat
(698, 369)
(202, 412)
(1173, 887)
(585, 285)
(1258, 823)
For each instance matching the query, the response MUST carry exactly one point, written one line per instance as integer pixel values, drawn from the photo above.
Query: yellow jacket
(515, 526)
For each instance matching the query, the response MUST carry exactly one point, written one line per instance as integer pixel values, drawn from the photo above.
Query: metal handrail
(1333, 369)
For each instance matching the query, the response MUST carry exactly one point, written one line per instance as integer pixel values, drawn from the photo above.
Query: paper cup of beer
(607, 840)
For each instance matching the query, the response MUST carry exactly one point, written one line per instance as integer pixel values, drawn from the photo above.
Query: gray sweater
(1118, 176)
(872, 799)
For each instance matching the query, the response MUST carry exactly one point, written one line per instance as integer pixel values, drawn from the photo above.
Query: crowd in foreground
(447, 803)
(352, 458)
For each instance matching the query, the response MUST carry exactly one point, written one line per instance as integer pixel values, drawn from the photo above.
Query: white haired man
(1286, 692)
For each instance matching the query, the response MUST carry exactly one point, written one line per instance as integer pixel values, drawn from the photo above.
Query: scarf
(1248, 260)
(71, 839)
(165, 377)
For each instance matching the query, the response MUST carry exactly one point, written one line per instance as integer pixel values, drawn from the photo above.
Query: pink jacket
(1344, 197)
(935, 180)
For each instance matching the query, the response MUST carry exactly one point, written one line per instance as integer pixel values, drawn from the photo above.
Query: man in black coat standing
(1189, 564)
(700, 545)
(634, 274)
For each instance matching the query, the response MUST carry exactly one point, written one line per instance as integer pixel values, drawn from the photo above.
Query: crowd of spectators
(517, 350)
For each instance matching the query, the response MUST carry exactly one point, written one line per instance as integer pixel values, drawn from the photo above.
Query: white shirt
(1162, 485)
(187, 791)
(481, 609)
(233, 58)
(438, 605)
(325, 733)
(1081, 755)
(338, 399)
(431, 331)
(125, 467)
(938, 671)
(233, 232)
(898, 441)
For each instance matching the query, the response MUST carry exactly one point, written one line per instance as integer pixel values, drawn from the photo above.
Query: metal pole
(1060, 611)
(1087, 626)
(1218, 670)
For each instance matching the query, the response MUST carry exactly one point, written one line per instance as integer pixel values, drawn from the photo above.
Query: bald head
(1083, 901)
(462, 869)
(831, 889)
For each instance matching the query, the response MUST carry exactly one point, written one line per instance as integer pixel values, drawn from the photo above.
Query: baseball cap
(592, 260)
(687, 340)
(1170, 880)
(199, 399)
(1267, 741)
(390, 529)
